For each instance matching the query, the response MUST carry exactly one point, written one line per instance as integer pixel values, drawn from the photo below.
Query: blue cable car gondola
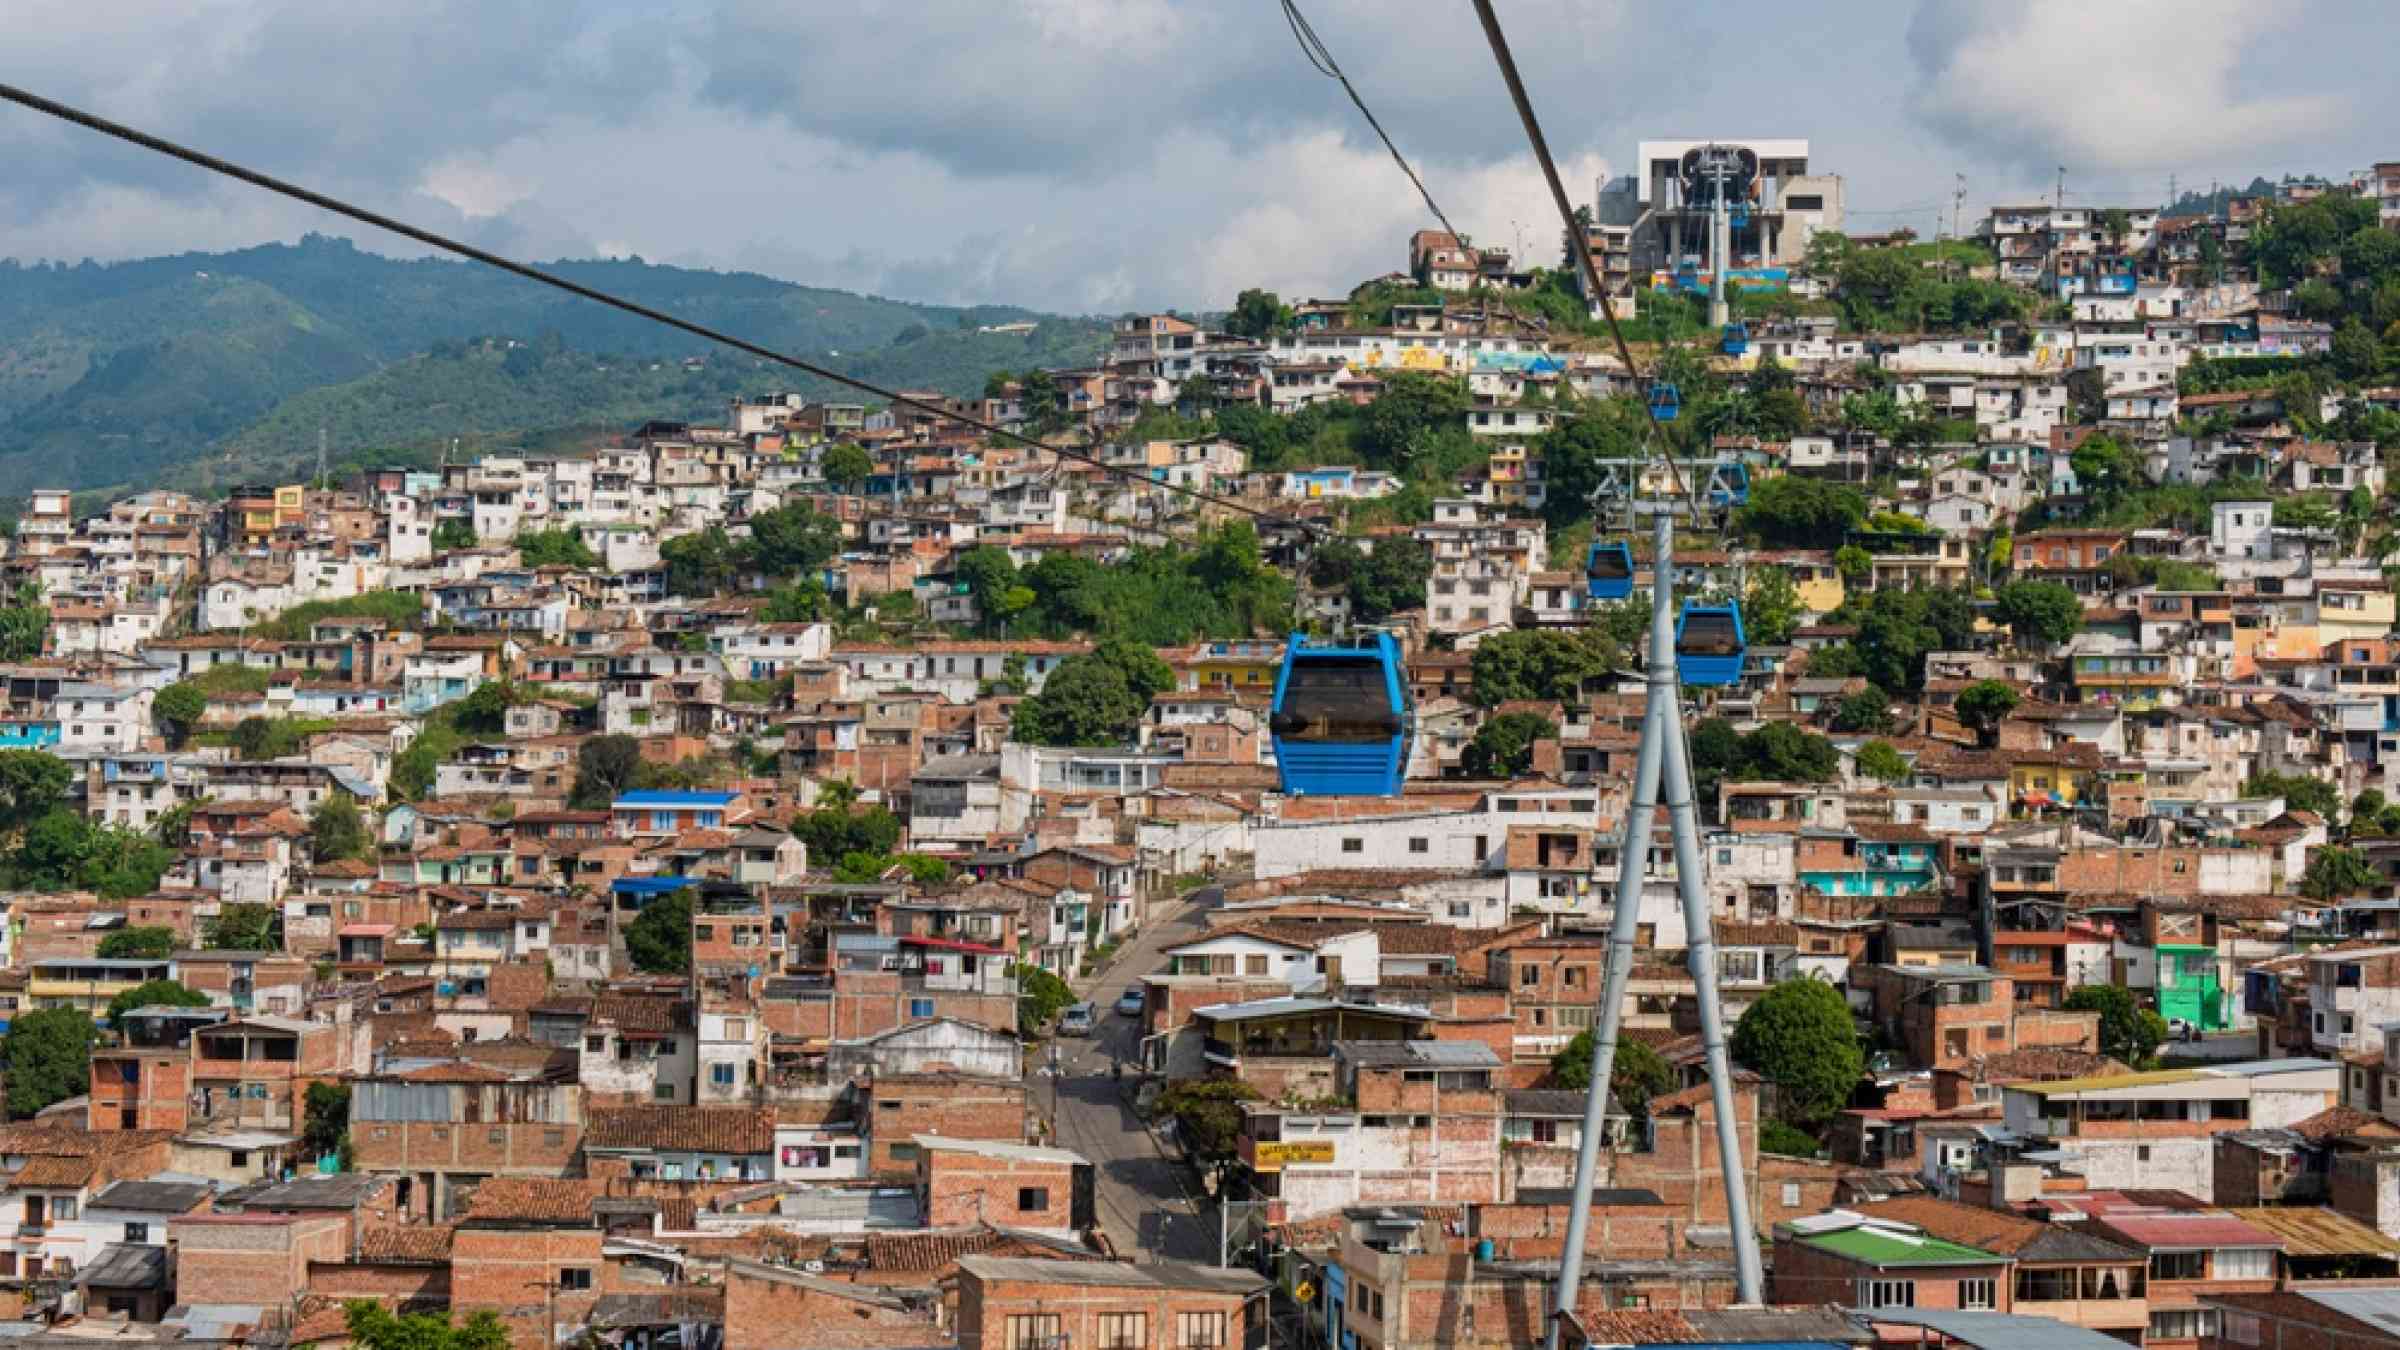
(1736, 338)
(1665, 401)
(1341, 721)
(1731, 486)
(1709, 645)
(1609, 570)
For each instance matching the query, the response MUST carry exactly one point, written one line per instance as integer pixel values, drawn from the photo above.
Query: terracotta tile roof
(554, 1200)
(708, 1129)
(48, 1170)
(1629, 1327)
(2335, 1122)
(2042, 1064)
(409, 1245)
(936, 1250)
(637, 1012)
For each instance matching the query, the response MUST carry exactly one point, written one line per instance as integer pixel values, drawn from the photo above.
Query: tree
(139, 943)
(1540, 665)
(2336, 873)
(803, 601)
(325, 1120)
(988, 573)
(2299, 791)
(1207, 1114)
(1257, 314)
(2370, 254)
(604, 768)
(1984, 705)
(1404, 426)
(32, 784)
(1770, 607)
(1794, 512)
(1880, 761)
(1503, 745)
(153, 994)
(337, 829)
(2105, 468)
(178, 709)
(268, 737)
(791, 539)
(484, 711)
(1800, 1036)
(375, 1327)
(1855, 564)
(660, 937)
(24, 625)
(2126, 1031)
(1390, 579)
(701, 563)
(1636, 1075)
(846, 466)
(1867, 710)
(562, 547)
(453, 533)
(2357, 354)
(49, 1057)
(1780, 752)
(245, 928)
(1095, 698)
(1040, 997)
(2043, 612)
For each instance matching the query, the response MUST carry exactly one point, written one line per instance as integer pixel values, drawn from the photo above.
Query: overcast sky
(1099, 155)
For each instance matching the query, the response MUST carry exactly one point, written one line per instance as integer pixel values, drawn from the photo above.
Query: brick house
(446, 1128)
(258, 1259)
(1850, 1259)
(2061, 1271)
(951, 1106)
(1947, 1015)
(1007, 1303)
(764, 1303)
(971, 1181)
(145, 1083)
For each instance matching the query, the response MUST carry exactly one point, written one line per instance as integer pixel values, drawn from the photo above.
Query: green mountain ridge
(205, 369)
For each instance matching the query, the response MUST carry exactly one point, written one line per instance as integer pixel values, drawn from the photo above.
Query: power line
(322, 201)
(1582, 249)
(1321, 56)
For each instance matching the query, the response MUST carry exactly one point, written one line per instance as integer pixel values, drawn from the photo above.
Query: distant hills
(204, 369)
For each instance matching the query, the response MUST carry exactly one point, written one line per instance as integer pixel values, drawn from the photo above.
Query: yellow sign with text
(1269, 1157)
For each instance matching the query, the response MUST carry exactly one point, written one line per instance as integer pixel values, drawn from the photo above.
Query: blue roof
(649, 885)
(664, 797)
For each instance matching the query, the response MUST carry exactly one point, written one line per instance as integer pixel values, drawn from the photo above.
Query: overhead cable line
(1320, 56)
(323, 201)
(1582, 244)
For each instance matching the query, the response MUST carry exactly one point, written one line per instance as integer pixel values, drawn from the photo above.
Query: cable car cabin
(1709, 646)
(1609, 570)
(1665, 401)
(1731, 484)
(1341, 722)
(1736, 338)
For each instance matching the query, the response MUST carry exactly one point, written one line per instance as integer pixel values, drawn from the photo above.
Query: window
(1124, 1331)
(664, 1092)
(2240, 1328)
(2245, 1263)
(574, 1277)
(1032, 1331)
(1420, 844)
(920, 1007)
(137, 1232)
(63, 1208)
(2182, 1323)
(1977, 1294)
(721, 1075)
(2178, 1265)
(1354, 846)
(1791, 1195)
(904, 1153)
(1887, 1293)
(1032, 1199)
(1206, 1330)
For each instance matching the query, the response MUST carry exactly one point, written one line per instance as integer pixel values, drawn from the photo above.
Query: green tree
(1780, 752)
(2337, 873)
(1794, 512)
(178, 709)
(1040, 997)
(660, 937)
(1390, 579)
(1540, 665)
(139, 943)
(1634, 1077)
(1984, 705)
(2042, 612)
(846, 466)
(1867, 710)
(245, 928)
(33, 783)
(789, 539)
(839, 830)
(484, 711)
(702, 563)
(1095, 698)
(605, 767)
(49, 1058)
(989, 573)
(2126, 1032)
(1045, 404)
(2357, 354)
(1786, 1141)
(1801, 1038)
(1207, 1113)
(1577, 453)
(1880, 761)
(2370, 255)
(153, 994)
(338, 829)
(1503, 745)
(269, 737)
(2300, 792)
(325, 1119)
(2105, 468)
(1258, 314)
(1770, 607)
(25, 625)
(1404, 427)
(804, 601)
(55, 850)
(1855, 564)
(454, 533)
(562, 547)
(375, 1327)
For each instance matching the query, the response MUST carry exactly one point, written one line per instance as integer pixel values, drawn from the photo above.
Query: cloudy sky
(1098, 155)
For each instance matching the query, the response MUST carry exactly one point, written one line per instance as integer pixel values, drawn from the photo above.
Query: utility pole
(1958, 208)
(2061, 198)
(320, 456)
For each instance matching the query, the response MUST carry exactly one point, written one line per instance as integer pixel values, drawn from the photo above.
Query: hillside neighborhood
(825, 877)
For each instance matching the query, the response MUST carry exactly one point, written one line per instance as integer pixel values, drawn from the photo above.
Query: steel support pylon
(1662, 765)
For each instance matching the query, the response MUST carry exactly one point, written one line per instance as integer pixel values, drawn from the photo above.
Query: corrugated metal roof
(1997, 1330)
(2193, 1231)
(1880, 1246)
(2318, 1232)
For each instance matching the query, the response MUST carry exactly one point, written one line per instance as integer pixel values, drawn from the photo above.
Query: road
(1144, 1205)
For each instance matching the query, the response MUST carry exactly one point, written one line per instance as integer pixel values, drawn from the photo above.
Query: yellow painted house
(1242, 667)
(2353, 609)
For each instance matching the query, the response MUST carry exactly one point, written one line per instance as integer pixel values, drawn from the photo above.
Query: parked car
(1129, 1003)
(1077, 1020)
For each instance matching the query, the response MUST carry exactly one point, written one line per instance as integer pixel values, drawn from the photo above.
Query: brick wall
(984, 1309)
(388, 1284)
(1802, 1274)
(252, 1258)
(159, 1097)
(962, 1189)
(952, 1106)
(503, 1269)
(766, 1305)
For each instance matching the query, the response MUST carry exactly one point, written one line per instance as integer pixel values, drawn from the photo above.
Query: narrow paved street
(1143, 1204)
